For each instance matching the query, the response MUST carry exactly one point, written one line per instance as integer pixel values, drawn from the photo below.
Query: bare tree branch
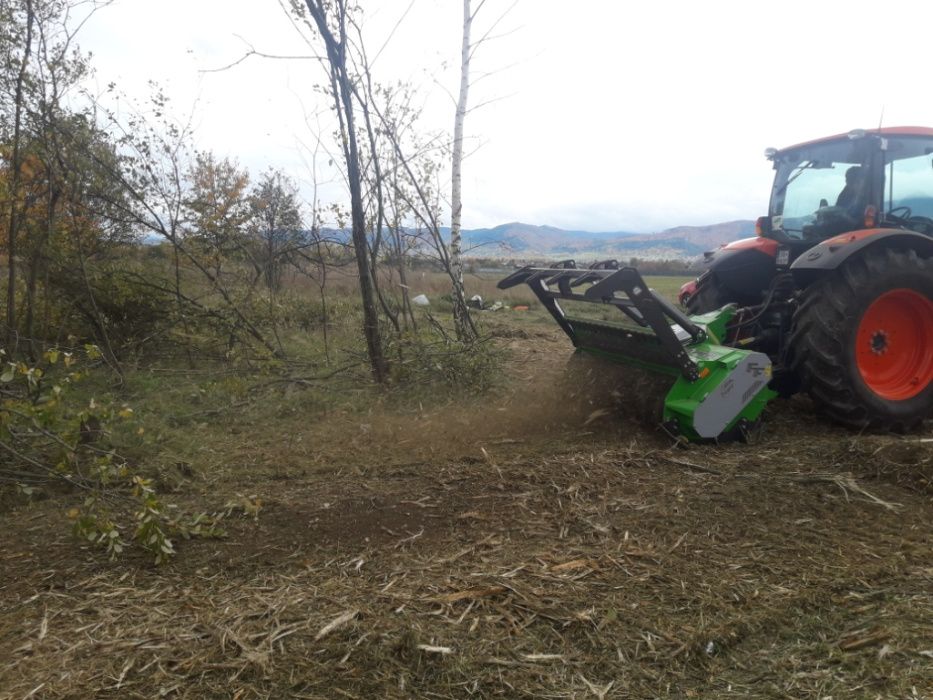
(260, 54)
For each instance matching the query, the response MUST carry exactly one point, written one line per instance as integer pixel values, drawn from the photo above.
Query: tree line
(122, 243)
(82, 185)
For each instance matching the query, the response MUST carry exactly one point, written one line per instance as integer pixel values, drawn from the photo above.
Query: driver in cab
(847, 213)
(851, 196)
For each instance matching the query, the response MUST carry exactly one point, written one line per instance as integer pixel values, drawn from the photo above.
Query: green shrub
(50, 437)
(118, 303)
(423, 359)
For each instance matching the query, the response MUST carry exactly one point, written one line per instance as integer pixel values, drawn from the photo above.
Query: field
(541, 539)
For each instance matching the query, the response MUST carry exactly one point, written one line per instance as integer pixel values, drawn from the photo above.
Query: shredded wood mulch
(590, 564)
(626, 572)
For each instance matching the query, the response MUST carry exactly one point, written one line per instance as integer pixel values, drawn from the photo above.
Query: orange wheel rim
(894, 344)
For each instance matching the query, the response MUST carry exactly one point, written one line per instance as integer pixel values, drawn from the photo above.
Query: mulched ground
(588, 557)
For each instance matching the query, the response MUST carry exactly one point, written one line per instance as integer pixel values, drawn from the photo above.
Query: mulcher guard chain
(719, 391)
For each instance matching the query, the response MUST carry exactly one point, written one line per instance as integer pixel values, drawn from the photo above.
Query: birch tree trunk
(462, 320)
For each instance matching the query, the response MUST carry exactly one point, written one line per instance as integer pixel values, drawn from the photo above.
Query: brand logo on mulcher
(750, 392)
(755, 369)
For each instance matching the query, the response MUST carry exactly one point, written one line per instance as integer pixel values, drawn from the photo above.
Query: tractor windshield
(821, 182)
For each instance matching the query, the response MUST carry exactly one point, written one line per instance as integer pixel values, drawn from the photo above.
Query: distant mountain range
(518, 240)
(527, 241)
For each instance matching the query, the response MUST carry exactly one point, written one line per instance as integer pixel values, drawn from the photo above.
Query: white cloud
(613, 115)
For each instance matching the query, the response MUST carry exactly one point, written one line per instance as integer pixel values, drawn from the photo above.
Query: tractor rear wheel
(863, 341)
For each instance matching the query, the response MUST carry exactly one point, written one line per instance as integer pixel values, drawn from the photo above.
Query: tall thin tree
(465, 330)
(326, 13)
(16, 172)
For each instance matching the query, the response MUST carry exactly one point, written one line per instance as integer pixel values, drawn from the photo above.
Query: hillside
(547, 241)
(528, 240)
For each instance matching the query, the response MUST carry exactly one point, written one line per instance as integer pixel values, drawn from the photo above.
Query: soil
(547, 540)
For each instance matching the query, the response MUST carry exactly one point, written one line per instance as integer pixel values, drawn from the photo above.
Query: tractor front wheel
(863, 341)
(706, 297)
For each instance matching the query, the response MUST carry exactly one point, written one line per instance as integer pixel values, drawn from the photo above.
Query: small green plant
(423, 359)
(154, 528)
(52, 437)
(247, 505)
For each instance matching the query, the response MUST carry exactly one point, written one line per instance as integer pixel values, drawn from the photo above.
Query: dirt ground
(539, 542)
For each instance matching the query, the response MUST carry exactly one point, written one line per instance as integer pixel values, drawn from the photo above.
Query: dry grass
(342, 283)
(533, 544)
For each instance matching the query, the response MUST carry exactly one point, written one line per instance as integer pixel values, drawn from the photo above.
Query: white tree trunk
(456, 178)
(461, 313)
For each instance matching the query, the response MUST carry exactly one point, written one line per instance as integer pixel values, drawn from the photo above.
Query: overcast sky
(603, 115)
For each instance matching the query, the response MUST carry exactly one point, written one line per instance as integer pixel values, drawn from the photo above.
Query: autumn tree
(19, 21)
(77, 229)
(275, 225)
(43, 149)
(219, 209)
(153, 173)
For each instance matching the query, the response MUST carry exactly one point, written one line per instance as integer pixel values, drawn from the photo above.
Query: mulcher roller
(718, 392)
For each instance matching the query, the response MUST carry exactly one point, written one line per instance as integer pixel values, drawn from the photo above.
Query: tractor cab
(879, 183)
(849, 182)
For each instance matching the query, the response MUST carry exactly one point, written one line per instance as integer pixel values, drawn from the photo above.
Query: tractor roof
(886, 131)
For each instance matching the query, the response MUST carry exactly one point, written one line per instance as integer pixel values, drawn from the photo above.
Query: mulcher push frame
(719, 391)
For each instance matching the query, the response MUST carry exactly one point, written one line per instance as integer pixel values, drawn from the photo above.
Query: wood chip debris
(430, 649)
(471, 593)
(576, 564)
(338, 621)
(863, 638)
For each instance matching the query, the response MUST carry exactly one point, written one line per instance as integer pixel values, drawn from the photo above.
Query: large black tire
(826, 344)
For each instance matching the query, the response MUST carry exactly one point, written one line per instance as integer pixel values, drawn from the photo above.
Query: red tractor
(837, 287)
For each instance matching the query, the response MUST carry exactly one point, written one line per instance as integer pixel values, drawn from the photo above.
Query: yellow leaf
(73, 513)
(126, 412)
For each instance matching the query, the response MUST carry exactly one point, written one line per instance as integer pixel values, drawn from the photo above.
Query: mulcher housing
(719, 391)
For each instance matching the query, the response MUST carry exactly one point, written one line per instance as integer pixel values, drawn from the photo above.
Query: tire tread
(818, 339)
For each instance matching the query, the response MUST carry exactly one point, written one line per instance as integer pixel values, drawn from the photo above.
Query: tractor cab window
(821, 190)
(909, 185)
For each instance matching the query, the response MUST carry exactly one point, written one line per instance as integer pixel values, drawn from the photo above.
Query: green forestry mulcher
(833, 296)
